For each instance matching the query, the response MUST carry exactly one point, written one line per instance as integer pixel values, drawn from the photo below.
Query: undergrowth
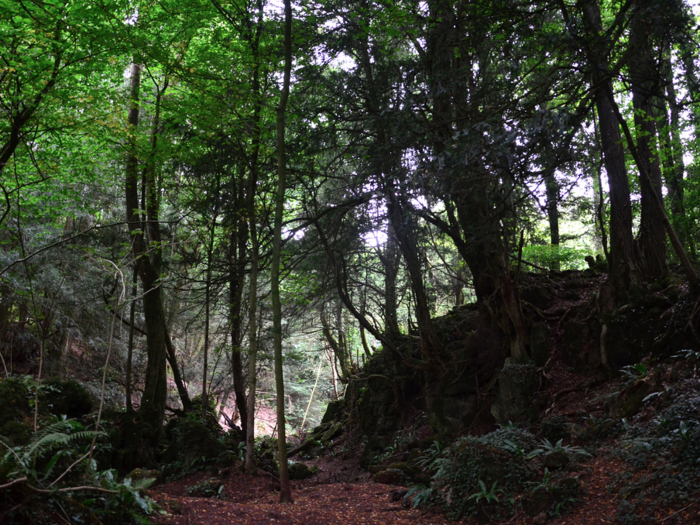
(53, 476)
(664, 456)
(494, 476)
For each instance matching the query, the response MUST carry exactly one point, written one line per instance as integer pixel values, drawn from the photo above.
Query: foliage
(53, 474)
(564, 257)
(665, 453)
(471, 465)
(208, 488)
(547, 447)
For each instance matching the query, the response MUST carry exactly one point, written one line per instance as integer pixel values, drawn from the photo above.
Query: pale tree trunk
(207, 295)
(252, 338)
(285, 486)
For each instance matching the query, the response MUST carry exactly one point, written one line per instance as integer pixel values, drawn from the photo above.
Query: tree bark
(237, 245)
(254, 249)
(552, 187)
(155, 390)
(390, 260)
(623, 270)
(645, 79)
(177, 377)
(285, 486)
(132, 311)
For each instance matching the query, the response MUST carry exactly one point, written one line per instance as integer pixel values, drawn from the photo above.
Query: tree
(285, 490)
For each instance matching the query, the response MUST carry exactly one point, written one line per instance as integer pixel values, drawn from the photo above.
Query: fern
(126, 503)
(141, 484)
(56, 435)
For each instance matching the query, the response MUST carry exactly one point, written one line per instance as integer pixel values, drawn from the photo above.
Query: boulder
(333, 411)
(556, 459)
(300, 471)
(540, 344)
(390, 476)
(517, 387)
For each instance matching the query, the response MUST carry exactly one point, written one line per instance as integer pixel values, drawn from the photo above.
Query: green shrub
(548, 255)
(476, 472)
(41, 478)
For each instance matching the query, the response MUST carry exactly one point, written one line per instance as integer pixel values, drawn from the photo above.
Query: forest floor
(321, 500)
(342, 493)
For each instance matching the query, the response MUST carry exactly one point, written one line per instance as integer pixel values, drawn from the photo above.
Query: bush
(479, 472)
(41, 478)
(547, 256)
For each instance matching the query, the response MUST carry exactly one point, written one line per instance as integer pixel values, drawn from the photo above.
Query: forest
(444, 249)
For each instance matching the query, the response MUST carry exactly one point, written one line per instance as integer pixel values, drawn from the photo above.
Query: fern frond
(57, 434)
(142, 484)
(86, 434)
(45, 443)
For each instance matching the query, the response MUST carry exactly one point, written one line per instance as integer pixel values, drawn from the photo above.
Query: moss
(390, 477)
(190, 440)
(300, 471)
(334, 411)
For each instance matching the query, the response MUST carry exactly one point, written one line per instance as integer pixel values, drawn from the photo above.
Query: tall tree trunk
(207, 307)
(132, 312)
(252, 320)
(285, 486)
(645, 79)
(254, 249)
(622, 261)
(552, 187)
(387, 166)
(155, 390)
(238, 243)
(177, 377)
(405, 235)
(390, 259)
(675, 168)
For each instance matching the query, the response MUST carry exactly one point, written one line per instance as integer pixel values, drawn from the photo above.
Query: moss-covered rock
(556, 459)
(540, 344)
(209, 488)
(142, 473)
(581, 344)
(300, 471)
(390, 476)
(537, 501)
(494, 461)
(190, 440)
(630, 400)
(517, 387)
(334, 411)
(333, 432)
